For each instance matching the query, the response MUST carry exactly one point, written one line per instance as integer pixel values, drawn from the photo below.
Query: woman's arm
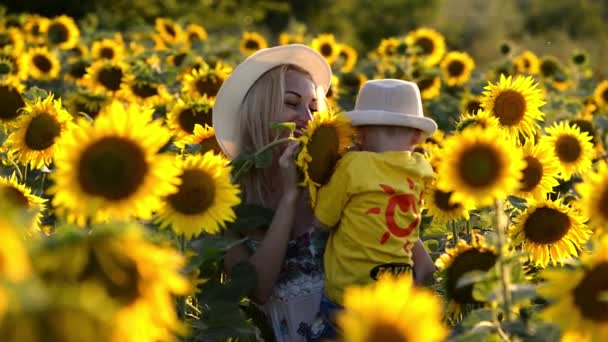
(423, 264)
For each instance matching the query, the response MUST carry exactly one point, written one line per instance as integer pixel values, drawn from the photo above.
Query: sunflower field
(117, 204)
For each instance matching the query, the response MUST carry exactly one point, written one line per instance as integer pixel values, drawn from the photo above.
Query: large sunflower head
(325, 139)
(110, 49)
(550, 231)
(61, 32)
(600, 94)
(42, 63)
(572, 148)
(527, 63)
(577, 296)
(391, 309)
(460, 260)
(594, 197)
(515, 103)
(442, 208)
(479, 166)
(205, 80)
(457, 67)
(105, 77)
(326, 45)
(205, 198)
(541, 172)
(111, 168)
(20, 205)
(428, 44)
(186, 114)
(203, 136)
(252, 42)
(37, 130)
(11, 99)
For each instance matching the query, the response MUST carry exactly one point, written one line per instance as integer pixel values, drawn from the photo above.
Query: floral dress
(295, 299)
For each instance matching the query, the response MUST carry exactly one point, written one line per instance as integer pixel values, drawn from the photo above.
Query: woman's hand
(289, 172)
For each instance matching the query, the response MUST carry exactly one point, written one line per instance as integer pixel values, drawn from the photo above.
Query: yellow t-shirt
(373, 202)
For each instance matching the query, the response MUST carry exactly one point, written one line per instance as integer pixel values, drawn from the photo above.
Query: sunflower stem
(272, 144)
(503, 268)
(21, 179)
(42, 180)
(454, 236)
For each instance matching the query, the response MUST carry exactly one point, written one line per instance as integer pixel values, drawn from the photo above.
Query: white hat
(390, 102)
(225, 120)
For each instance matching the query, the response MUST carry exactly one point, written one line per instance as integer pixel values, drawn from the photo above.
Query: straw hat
(226, 123)
(393, 103)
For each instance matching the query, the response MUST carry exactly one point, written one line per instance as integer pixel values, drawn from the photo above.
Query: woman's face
(300, 99)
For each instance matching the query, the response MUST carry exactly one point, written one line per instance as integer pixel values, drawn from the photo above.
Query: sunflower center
(207, 85)
(548, 68)
(110, 78)
(78, 69)
(42, 63)
(587, 293)
(15, 196)
(113, 168)
(107, 53)
(442, 200)
(532, 174)
(479, 166)
(510, 107)
(144, 90)
(196, 194)
(580, 58)
(58, 33)
(326, 49)
(11, 103)
(323, 148)
(455, 68)
(42, 132)
(473, 106)
(568, 149)
(251, 44)
(546, 225)
(426, 45)
(189, 117)
(526, 63)
(470, 260)
(170, 30)
(386, 332)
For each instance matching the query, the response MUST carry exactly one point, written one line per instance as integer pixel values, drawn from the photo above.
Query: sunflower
(326, 45)
(11, 39)
(584, 122)
(169, 31)
(79, 102)
(527, 63)
(195, 33)
(430, 87)
(541, 172)
(572, 148)
(205, 81)
(353, 81)
(111, 168)
(11, 99)
(515, 102)
(576, 296)
(550, 231)
(439, 205)
(110, 49)
(579, 58)
(80, 51)
(600, 94)
(429, 44)
(388, 47)
(562, 83)
(143, 92)
(15, 264)
(42, 63)
(204, 199)
(76, 70)
(204, 136)
(37, 130)
(470, 104)
(325, 139)
(549, 66)
(33, 28)
(19, 206)
(287, 38)
(458, 261)
(105, 77)
(252, 42)
(186, 114)
(333, 93)
(594, 196)
(349, 56)
(392, 309)
(481, 119)
(590, 106)
(18, 65)
(457, 68)
(479, 166)
(62, 32)
(433, 143)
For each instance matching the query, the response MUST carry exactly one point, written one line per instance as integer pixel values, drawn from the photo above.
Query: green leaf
(243, 280)
(263, 159)
(251, 216)
(288, 126)
(477, 316)
(35, 93)
(210, 248)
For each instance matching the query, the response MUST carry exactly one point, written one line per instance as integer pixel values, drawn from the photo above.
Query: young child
(371, 205)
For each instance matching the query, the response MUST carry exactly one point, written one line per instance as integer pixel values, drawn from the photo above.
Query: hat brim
(380, 117)
(225, 120)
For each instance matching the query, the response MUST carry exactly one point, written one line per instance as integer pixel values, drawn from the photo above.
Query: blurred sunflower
(111, 168)
(590, 106)
(549, 66)
(15, 264)
(388, 47)
(325, 139)
(143, 92)
(442, 208)
(430, 87)
(79, 51)
(594, 197)
(333, 93)
(516, 103)
(479, 166)
(541, 172)
(37, 131)
(62, 32)
(252, 42)
(79, 102)
(205, 81)
(527, 63)
(195, 33)
(33, 28)
(288, 38)
(481, 119)
(11, 99)
(550, 231)
(353, 81)
(204, 136)
(12, 39)
(42, 63)
(184, 115)
(19, 206)
(572, 148)
(562, 83)
(600, 94)
(110, 49)
(470, 104)
(433, 143)
(458, 261)
(348, 55)
(76, 70)
(392, 309)
(178, 57)
(326, 45)
(205, 198)
(457, 67)
(105, 77)
(576, 296)
(579, 58)
(170, 32)
(16, 63)
(428, 44)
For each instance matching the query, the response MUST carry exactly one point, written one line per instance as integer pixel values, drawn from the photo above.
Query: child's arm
(423, 264)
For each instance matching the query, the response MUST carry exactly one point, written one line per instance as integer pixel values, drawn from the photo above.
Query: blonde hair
(262, 106)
